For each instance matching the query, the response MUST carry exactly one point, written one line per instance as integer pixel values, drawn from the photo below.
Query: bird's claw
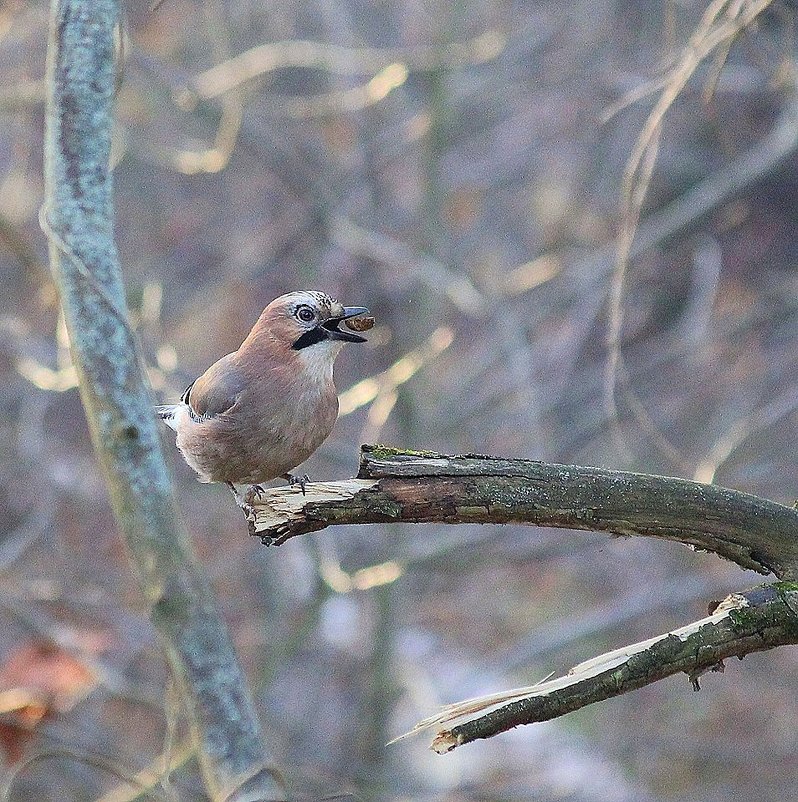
(245, 502)
(293, 480)
(254, 492)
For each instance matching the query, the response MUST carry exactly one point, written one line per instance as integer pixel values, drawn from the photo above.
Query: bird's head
(309, 320)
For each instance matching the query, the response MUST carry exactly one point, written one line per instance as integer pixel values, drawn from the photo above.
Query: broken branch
(419, 487)
(747, 622)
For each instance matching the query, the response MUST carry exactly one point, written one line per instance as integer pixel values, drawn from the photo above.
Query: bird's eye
(305, 314)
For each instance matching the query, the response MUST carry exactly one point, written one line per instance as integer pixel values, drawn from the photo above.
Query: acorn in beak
(331, 325)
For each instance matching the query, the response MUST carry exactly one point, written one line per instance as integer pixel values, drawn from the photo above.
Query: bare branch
(23, 95)
(758, 619)
(721, 22)
(414, 487)
(78, 219)
(266, 58)
(395, 485)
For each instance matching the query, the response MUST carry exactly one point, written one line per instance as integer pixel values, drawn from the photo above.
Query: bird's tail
(166, 412)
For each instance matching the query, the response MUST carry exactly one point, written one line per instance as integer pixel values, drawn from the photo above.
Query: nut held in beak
(359, 323)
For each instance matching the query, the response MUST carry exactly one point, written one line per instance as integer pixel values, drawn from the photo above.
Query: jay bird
(265, 408)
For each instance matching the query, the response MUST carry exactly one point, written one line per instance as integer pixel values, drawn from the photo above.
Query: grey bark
(396, 485)
(78, 219)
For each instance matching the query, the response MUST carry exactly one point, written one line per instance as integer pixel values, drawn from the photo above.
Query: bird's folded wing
(216, 391)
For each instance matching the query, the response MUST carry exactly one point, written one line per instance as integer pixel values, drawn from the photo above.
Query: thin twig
(272, 56)
(720, 24)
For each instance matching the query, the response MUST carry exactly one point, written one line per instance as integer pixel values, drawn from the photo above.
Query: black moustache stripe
(310, 338)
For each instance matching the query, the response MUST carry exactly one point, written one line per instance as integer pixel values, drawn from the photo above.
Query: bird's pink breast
(260, 440)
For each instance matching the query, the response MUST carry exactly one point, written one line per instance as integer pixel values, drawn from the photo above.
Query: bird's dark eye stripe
(315, 335)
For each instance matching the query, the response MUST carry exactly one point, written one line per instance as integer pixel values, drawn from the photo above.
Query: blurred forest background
(453, 167)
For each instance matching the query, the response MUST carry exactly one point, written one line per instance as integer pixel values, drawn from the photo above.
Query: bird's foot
(245, 502)
(293, 481)
(254, 493)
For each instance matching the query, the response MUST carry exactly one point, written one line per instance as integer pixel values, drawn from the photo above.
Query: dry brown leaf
(37, 679)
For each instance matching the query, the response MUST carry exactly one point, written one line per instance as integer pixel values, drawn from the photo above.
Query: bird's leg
(243, 501)
(238, 497)
(296, 480)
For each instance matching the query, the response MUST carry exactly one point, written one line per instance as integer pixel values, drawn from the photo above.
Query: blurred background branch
(257, 61)
(720, 24)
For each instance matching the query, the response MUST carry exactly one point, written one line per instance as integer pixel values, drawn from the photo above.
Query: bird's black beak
(334, 333)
